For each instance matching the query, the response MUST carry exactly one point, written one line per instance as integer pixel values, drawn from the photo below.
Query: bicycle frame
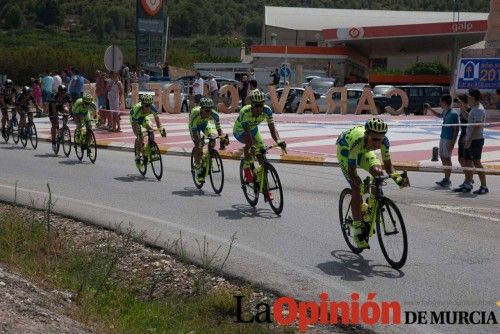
(260, 171)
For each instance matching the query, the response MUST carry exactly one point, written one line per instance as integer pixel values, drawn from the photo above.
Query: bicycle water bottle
(365, 212)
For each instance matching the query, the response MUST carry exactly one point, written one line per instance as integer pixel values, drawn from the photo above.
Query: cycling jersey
(246, 119)
(198, 124)
(137, 115)
(8, 93)
(82, 109)
(23, 100)
(352, 143)
(60, 99)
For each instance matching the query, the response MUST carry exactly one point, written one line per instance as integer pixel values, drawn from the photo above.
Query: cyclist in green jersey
(355, 147)
(246, 129)
(140, 115)
(84, 110)
(199, 122)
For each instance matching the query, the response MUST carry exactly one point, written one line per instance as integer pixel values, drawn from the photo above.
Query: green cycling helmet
(147, 99)
(376, 125)
(87, 99)
(207, 102)
(257, 97)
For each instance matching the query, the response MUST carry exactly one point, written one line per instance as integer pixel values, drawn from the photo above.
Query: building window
(311, 43)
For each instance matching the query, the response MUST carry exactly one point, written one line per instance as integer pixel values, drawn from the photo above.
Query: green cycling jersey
(197, 123)
(351, 146)
(137, 114)
(81, 109)
(246, 119)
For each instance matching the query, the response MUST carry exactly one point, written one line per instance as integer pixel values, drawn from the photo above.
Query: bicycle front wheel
(216, 171)
(66, 141)
(33, 135)
(345, 216)
(142, 167)
(78, 145)
(274, 191)
(156, 162)
(91, 146)
(14, 131)
(250, 190)
(391, 234)
(197, 184)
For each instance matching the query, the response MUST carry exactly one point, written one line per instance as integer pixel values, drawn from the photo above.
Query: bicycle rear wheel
(66, 141)
(391, 234)
(274, 191)
(6, 133)
(250, 190)
(33, 135)
(142, 159)
(216, 171)
(156, 161)
(197, 184)
(14, 130)
(91, 146)
(78, 145)
(23, 136)
(345, 215)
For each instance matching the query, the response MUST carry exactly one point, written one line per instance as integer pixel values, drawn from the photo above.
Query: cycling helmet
(147, 99)
(87, 99)
(257, 96)
(62, 88)
(207, 102)
(376, 125)
(8, 82)
(26, 90)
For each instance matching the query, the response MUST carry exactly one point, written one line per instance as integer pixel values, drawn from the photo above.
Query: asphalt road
(453, 261)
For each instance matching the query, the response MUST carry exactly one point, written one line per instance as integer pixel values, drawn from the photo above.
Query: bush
(433, 68)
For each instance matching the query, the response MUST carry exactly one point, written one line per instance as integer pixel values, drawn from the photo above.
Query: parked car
(418, 95)
(308, 80)
(353, 96)
(322, 85)
(294, 98)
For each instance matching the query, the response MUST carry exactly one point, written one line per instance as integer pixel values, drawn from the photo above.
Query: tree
(12, 16)
(48, 12)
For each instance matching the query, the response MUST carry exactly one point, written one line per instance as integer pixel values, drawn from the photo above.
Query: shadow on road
(12, 147)
(193, 192)
(353, 267)
(135, 178)
(74, 162)
(49, 155)
(241, 211)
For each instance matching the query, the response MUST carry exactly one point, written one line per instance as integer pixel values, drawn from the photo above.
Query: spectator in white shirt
(57, 81)
(198, 88)
(213, 89)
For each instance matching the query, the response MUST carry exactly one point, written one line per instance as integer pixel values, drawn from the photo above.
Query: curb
(294, 159)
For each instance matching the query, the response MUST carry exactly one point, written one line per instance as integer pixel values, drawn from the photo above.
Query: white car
(294, 98)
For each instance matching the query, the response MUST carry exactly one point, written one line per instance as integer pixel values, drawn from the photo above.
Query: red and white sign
(152, 7)
(407, 30)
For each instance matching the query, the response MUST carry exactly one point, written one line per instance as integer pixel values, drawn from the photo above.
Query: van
(418, 95)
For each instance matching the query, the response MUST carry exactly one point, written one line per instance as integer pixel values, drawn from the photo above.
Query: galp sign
(462, 26)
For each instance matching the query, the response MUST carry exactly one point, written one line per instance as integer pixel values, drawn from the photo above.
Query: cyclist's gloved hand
(400, 181)
(253, 149)
(163, 132)
(226, 140)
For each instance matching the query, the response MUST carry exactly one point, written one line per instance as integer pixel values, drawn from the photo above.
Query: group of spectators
(463, 120)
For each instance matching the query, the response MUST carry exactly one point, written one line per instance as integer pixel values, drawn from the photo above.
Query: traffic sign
(285, 70)
(113, 58)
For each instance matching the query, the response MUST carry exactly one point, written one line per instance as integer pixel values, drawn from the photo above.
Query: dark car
(418, 95)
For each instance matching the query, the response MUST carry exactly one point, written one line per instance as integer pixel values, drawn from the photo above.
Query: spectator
(243, 89)
(57, 81)
(462, 103)
(47, 82)
(448, 136)
(76, 85)
(101, 92)
(198, 88)
(142, 79)
(252, 86)
(126, 78)
(115, 95)
(276, 77)
(165, 70)
(213, 90)
(474, 142)
(133, 74)
(251, 74)
(498, 99)
(66, 78)
(37, 93)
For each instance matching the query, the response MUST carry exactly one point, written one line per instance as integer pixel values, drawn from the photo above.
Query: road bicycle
(211, 164)
(383, 215)
(29, 132)
(63, 137)
(11, 130)
(84, 142)
(266, 181)
(149, 153)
